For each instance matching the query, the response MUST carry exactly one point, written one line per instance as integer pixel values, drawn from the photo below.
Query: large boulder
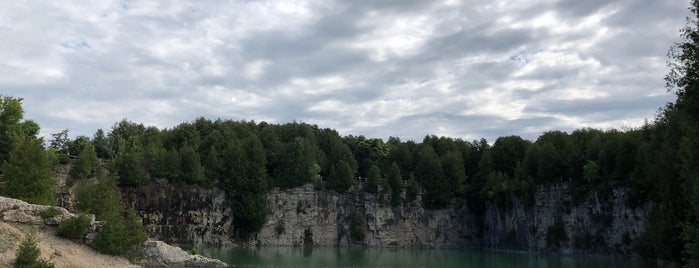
(160, 254)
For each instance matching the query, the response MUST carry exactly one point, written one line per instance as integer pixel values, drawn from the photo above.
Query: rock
(160, 254)
(15, 210)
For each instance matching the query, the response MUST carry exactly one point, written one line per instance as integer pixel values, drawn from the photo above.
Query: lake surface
(287, 257)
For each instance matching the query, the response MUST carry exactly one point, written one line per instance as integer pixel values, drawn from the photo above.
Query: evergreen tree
(87, 161)
(431, 175)
(395, 182)
(373, 181)
(28, 255)
(413, 189)
(27, 174)
(191, 169)
(341, 177)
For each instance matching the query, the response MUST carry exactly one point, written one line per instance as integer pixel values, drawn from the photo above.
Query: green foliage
(373, 181)
(74, 228)
(27, 174)
(28, 255)
(341, 177)
(556, 234)
(49, 213)
(431, 175)
(192, 171)
(120, 233)
(395, 182)
(130, 168)
(102, 198)
(86, 163)
(12, 129)
(246, 185)
(413, 189)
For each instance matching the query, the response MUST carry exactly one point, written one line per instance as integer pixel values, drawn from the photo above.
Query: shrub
(49, 213)
(28, 255)
(74, 228)
(120, 234)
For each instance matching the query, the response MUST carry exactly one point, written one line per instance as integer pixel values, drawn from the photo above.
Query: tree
(341, 177)
(27, 174)
(192, 171)
(246, 185)
(373, 181)
(129, 166)
(413, 189)
(87, 161)
(60, 140)
(28, 255)
(431, 175)
(102, 198)
(395, 182)
(12, 129)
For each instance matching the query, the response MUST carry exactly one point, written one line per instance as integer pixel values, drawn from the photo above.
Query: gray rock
(160, 254)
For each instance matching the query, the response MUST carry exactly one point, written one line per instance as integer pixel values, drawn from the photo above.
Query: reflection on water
(286, 257)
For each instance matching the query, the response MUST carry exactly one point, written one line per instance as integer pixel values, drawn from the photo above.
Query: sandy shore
(61, 252)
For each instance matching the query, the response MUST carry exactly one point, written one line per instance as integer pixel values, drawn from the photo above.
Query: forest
(658, 162)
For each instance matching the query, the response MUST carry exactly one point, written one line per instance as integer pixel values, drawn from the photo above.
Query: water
(285, 257)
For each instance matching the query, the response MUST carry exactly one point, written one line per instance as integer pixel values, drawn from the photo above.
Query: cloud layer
(467, 69)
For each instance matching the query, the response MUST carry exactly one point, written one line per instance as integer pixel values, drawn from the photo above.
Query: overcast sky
(466, 69)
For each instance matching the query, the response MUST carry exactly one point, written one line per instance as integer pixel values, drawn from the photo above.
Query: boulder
(160, 254)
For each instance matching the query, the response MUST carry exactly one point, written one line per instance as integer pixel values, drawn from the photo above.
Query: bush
(120, 234)
(28, 255)
(49, 213)
(74, 228)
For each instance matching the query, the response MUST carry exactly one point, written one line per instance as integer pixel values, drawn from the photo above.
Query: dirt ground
(61, 252)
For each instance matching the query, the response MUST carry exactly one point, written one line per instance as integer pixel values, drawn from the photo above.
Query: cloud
(376, 68)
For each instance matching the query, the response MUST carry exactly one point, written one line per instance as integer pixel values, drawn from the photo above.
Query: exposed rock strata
(303, 216)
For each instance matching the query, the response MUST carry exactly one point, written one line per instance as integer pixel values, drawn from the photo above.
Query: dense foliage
(74, 228)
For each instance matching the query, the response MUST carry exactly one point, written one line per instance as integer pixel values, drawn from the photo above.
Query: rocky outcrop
(303, 216)
(183, 214)
(593, 224)
(160, 254)
(15, 210)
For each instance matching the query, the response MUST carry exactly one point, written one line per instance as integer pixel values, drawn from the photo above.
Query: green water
(278, 257)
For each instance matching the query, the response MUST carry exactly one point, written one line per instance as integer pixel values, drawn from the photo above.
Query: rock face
(594, 224)
(160, 254)
(305, 217)
(183, 214)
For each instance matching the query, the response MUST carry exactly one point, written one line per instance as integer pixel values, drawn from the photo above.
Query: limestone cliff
(594, 224)
(303, 216)
(183, 214)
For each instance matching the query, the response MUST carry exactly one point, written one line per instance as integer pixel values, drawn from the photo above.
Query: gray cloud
(376, 68)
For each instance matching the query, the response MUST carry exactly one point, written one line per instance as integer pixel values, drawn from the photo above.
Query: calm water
(278, 257)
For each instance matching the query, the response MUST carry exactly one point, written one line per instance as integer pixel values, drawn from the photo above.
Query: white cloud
(404, 68)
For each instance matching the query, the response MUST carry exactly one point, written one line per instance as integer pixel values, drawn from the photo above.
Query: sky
(404, 68)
